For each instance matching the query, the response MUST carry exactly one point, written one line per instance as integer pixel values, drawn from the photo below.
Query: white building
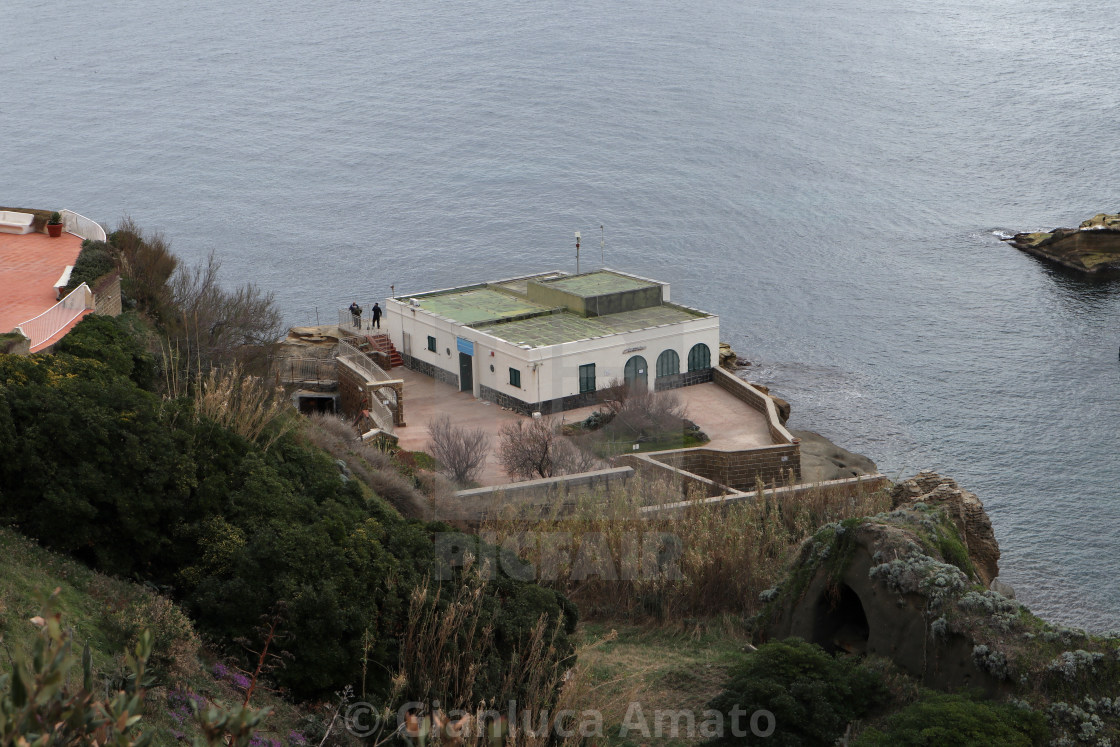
(547, 342)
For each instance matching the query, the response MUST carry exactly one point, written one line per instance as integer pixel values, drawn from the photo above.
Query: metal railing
(292, 370)
(380, 413)
(81, 226)
(48, 324)
(350, 353)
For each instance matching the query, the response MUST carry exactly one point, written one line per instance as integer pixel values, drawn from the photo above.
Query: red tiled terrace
(30, 264)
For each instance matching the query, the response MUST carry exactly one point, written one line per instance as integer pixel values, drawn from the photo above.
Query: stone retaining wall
(680, 380)
(738, 470)
(428, 369)
(107, 295)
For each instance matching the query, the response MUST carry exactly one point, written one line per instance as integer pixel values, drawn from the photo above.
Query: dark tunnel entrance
(840, 623)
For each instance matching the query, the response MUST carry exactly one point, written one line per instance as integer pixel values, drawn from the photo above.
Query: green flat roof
(564, 326)
(478, 305)
(599, 283)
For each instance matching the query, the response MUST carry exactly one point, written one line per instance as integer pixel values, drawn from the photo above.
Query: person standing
(376, 312)
(356, 313)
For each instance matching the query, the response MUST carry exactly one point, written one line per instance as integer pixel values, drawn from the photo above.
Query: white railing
(81, 226)
(362, 361)
(50, 322)
(380, 413)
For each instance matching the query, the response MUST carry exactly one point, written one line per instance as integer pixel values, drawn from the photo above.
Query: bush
(530, 449)
(138, 486)
(941, 719)
(45, 700)
(115, 342)
(461, 451)
(147, 265)
(812, 695)
(94, 260)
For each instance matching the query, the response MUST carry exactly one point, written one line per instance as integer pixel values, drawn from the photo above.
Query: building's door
(466, 373)
(635, 374)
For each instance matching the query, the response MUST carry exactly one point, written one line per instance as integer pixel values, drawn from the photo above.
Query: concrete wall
(479, 503)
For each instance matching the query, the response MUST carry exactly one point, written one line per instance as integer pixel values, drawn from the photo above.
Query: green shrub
(116, 341)
(941, 719)
(138, 486)
(812, 695)
(95, 259)
(46, 700)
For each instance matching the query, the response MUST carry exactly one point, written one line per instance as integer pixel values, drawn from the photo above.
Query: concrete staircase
(383, 344)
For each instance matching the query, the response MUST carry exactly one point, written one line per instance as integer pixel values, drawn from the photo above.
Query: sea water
(831, 178)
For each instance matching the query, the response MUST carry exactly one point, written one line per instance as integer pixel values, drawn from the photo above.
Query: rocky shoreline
(1093, 247)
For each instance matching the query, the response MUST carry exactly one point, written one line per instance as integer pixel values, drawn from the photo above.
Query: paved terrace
(30, 264)
(729, 422)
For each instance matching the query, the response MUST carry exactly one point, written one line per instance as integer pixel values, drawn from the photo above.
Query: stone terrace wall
(688, 483)
(739, 470)
(107, 295)
(352, 391)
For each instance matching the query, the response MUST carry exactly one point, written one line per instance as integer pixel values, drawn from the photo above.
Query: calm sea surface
(826, 176)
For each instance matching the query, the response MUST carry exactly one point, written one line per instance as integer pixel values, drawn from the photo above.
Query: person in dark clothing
(376, 316)
(356, 313)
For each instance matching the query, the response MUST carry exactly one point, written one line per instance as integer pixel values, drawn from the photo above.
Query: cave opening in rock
(840, 624)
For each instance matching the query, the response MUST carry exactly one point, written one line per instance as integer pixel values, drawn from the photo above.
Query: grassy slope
(660, 668)
(105, 613)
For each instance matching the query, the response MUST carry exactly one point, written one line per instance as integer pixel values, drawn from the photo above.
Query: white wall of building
(550, 372)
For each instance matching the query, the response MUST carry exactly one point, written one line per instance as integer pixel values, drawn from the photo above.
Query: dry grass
(437, 670)
(374, 467)
(244, 404)
(700, 563)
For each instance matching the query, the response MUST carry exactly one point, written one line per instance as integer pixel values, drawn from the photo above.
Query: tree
(535, 448)
(215, 327)
(461, 451)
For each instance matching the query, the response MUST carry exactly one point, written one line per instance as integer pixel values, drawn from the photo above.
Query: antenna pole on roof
(602, 245)
(577, 252)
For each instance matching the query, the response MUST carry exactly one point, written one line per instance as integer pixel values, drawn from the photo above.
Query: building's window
(668, 363)
(699, 357)
(587, 378)
(515, 378)
(431, 343)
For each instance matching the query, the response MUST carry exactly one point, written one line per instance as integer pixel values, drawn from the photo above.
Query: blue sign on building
(464, 346)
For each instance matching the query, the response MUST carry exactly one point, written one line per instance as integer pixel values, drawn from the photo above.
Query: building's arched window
(668, 363)
(699, 357)
(635, 372)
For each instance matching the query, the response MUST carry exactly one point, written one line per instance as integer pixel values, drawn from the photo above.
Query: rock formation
(966, 512)
(1092, 247)
(908, 585)
(823, 460)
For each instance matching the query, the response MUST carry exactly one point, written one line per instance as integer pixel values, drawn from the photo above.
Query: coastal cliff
(1093, 247)
(917, 585)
